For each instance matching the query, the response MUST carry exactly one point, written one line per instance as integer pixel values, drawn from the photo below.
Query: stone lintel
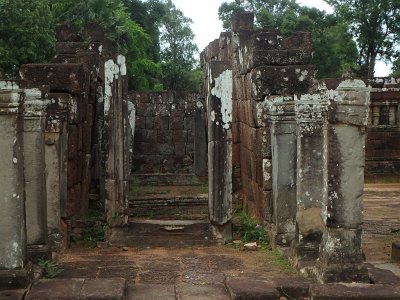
(281, 80)
(69, 78)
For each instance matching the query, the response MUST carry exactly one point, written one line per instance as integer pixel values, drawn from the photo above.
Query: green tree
(334, 49)
(148, 15)
(375, 25)
(396, 68)
(268, 13)
(177, 50)
(26, 34)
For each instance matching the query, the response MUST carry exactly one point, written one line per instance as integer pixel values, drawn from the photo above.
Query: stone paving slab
(254, 289)
(56, 289)
(103, 289)
(12, 295)
(202, 278)
(292, 288)
(150, 292)
(201, 292)
(354, 291)
(382, 276)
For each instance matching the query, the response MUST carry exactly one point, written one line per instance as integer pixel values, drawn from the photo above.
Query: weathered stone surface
(12, 295)
(202, 292)
(353, 291)
(150, 291)
(395, 251)
(283, 80)
(12, 214)
(382, 276)
(60, 77)
(103, 289)
(246, 288)
(34, 169)
(56, 289)
(242, 21)
(292, 287)
(284, 152)
(312, 153)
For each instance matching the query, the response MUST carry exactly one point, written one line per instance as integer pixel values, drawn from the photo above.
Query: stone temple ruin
(266, 133)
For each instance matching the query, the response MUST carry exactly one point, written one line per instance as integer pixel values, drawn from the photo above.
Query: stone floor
(381, 221)
(220, 271)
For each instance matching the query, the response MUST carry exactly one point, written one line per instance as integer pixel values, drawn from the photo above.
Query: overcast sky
(207, 27)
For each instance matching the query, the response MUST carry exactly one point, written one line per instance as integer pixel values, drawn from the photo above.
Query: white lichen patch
(303, 75)
(122, 64)
(132, 117)
(212, 116)
(223, 91)
(8, 85)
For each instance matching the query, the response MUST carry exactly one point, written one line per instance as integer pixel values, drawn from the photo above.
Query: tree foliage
(26, 34)
(334, 49)
(375, 25)
(177, 50)
(141, 30)
(128, 36)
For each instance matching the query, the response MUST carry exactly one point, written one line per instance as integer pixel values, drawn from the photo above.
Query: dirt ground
(381, 220)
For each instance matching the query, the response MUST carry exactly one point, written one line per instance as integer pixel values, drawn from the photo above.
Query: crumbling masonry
(290, 148)
(65, 129)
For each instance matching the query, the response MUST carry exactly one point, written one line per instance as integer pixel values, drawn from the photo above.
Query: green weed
(250, 230)
(51, 269)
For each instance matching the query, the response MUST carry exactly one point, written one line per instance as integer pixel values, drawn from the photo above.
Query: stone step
(163, 233)
(166, 179)
(164, 206)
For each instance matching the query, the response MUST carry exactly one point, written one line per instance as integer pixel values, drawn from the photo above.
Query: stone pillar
(56, 138)
(219, 111)
(114, 141)
(13, 263)
(341, 257)
(35, 181)
(283, 146)
(200, 141)
(311, 115)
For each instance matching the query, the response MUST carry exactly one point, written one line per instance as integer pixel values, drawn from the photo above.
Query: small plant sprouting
(251, 231)
(51, 269)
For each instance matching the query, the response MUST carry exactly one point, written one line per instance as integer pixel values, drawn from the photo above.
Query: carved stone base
(36, 252)
(15, 279)
(222, 232)
(342, 273)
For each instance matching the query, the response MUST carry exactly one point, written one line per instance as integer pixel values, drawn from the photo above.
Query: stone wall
(65, 134)
(293, 148)
(383, 138)
(168, 125)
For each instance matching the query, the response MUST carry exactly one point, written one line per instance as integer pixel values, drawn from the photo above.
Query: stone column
(35, 181)
(219, 110)
(200, 141)
(56, 138)
(311, 115)
(13, 263)
(283, 146)
(341, 257)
